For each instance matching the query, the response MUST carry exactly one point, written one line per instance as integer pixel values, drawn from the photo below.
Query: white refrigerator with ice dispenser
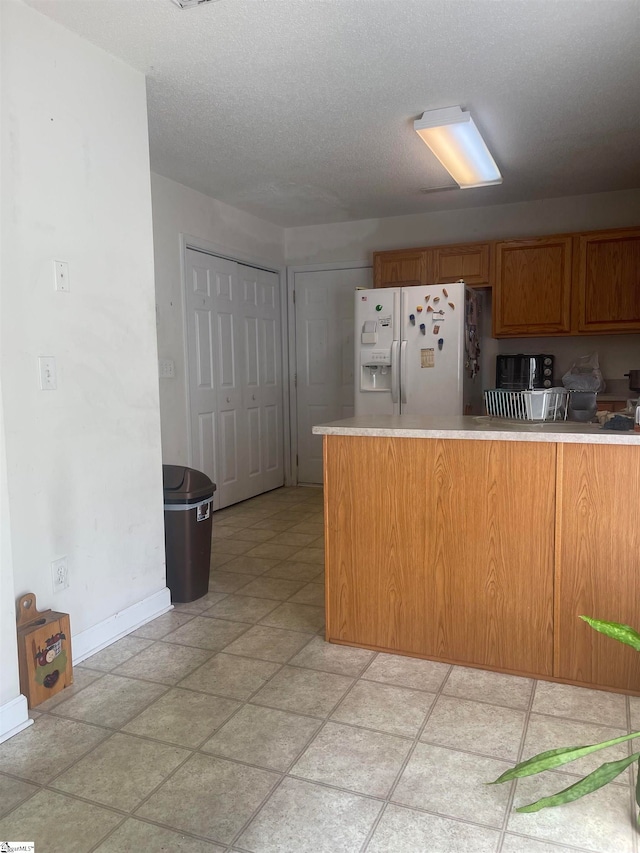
(417, 350)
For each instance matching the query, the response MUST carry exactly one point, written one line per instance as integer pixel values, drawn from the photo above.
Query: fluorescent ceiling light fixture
(455, 140)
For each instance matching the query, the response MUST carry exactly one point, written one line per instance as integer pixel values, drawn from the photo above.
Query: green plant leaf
(622, 633)
(556, 758)
(638, 792)
(600, 777)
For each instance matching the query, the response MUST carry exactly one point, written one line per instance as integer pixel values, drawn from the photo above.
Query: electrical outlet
(166, 368)
(60, 574)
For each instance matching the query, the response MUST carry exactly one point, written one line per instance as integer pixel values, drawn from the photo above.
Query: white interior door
(262, 402)
(204, 279)
(235, 376)
(324, 317)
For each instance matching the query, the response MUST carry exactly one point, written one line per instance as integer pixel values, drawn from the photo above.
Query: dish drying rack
(545, 404)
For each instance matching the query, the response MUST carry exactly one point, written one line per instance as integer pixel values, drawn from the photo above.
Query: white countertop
(481, 428)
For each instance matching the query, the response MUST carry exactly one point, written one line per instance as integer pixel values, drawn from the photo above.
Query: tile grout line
(512, 792)
(198, 750)
(151, 822)
(560, 845)
(403, 766)
(244, 704)
(109, 732)
(287, 773)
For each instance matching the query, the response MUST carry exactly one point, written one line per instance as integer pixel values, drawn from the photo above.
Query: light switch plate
(47, 372)
(61, 270)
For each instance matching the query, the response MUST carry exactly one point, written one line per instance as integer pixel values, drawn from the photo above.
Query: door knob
(228, 399)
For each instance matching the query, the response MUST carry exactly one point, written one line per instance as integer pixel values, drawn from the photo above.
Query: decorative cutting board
(44, 651)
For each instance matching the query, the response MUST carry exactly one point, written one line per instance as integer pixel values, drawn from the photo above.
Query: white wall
(83, 463)
(178, 210)
(9, 680)
(354, 241)
(13, 706)
(9, 688)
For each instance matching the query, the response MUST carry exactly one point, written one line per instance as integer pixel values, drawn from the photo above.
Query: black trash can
(187, 531)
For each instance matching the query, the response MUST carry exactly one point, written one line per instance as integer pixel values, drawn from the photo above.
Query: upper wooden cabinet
(607, 281)
(532, 287)
(469, 262)
(391, 269)
(432, 265)
(568, 284)
(563, 284)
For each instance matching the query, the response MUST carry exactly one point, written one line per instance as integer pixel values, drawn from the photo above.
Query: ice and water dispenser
(376, 345)
(375, 372)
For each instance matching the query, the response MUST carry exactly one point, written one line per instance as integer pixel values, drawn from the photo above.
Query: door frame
(199, 244)
(293, 348)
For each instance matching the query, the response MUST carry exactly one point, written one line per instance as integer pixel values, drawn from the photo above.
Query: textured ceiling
(301, 111)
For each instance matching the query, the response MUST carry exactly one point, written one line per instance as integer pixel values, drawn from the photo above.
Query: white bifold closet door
(235, 376)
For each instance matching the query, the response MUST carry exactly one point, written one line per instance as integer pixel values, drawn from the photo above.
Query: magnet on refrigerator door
(427, 357)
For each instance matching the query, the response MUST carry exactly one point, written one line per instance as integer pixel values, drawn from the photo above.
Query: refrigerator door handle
(395, 348)
(403, 373)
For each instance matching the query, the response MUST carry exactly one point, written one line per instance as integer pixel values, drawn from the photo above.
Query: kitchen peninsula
(480, 542)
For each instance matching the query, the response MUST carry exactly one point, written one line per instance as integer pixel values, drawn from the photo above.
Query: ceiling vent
(186, 4)
(426, 190)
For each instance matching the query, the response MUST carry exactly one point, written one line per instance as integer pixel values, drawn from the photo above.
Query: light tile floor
(229, 724)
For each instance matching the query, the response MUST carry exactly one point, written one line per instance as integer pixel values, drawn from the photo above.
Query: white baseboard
(99, 636)
(14, 717)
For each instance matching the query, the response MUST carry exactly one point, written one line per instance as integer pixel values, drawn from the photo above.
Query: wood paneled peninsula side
(480, 543)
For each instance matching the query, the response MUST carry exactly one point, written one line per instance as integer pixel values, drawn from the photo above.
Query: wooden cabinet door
(532, 287)
(608, 282)
(468, 262)
(598, 562)
(442, 548)
(400, 269)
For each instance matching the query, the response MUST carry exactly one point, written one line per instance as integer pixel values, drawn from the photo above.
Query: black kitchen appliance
(634, 379)
(524, 371)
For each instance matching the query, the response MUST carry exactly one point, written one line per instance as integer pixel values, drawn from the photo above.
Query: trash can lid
(185, 485)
